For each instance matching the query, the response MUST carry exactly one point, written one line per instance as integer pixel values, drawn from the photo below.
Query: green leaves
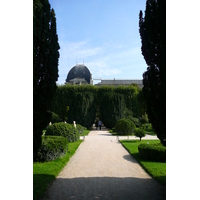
(124, 126)
(86, 102)
(45, 66)
(152, 28)
(140, 132)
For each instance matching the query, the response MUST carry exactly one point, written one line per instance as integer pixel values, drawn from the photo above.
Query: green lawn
(85, 133)
(45, 173)
(156, 169)
(146, 132)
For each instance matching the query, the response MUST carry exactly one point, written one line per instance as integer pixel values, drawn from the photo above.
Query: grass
(148, 132)
(85, 133)
(155, 169)
(45, 173)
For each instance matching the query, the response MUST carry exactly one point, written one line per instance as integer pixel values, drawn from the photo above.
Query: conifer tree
(45, 67)
(152, 30)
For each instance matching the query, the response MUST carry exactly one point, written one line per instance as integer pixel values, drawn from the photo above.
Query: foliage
(82, 109)
(153, 152)
(52, 147)
(112, 108)
(148, 127)
(80, 128)
(144, 119)
(152, 30)
(140, 132)
(156, 169)
(45, 67)
(55, 118)
(85, 132)
(63, 129)
(86, 102)
(128, 113)
(124, 126)
(45, 173)
(136, 121)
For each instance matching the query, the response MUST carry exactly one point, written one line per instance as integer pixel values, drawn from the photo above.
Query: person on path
(96, 124)
(100, 124)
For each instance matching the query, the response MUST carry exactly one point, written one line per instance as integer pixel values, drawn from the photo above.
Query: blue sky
(104, 34)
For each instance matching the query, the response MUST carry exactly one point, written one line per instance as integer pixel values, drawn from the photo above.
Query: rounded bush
(139, 132)
(153, 152)
(52, 147)
(124, 126)
(63, 129)
(80, 128)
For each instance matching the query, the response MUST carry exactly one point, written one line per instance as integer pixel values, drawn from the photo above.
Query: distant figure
(74, 123)
(96, 124)
(99, 124)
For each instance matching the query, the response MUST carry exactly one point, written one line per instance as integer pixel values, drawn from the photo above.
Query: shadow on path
(40, 184)
(106, 188)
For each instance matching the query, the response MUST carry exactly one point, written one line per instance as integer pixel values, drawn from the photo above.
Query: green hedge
(80, 128)
(82, 109)
(153, 152)
(52, 147)
(108, 103)
(112, 108)
(63, 129)
(124, 126)
(55, 118)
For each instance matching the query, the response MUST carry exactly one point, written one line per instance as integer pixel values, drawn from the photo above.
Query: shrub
(140, 132)
(136, 121)
(148, 127)
(80, 128)
(52, 147)
(153, 152)
(55, 118)
(124, 126)
(63, 129)
(144, 119)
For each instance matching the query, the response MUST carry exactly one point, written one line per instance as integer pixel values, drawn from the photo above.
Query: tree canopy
(152, 29)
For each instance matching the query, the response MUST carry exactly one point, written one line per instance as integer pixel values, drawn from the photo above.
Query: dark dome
(79, 71)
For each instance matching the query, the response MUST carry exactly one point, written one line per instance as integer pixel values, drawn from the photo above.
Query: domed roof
(79, 71)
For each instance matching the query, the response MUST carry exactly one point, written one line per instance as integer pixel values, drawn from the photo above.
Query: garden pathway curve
(102, 168)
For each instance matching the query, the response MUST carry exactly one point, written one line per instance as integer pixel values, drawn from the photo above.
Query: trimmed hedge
(80, 128)
(124, 126)
(63, 129)
(52, 147)
(83, 103)
(153, 152)
(112, 108)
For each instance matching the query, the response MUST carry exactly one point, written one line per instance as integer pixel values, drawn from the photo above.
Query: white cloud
(104, 61)
(100, 69)
(78, 50)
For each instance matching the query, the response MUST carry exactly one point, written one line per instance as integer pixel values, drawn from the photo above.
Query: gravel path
(102, 169)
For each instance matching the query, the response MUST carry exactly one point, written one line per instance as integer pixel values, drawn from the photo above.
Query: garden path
(102, 168)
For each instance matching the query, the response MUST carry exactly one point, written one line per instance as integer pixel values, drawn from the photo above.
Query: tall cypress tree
(152, 30)
(45, 67)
